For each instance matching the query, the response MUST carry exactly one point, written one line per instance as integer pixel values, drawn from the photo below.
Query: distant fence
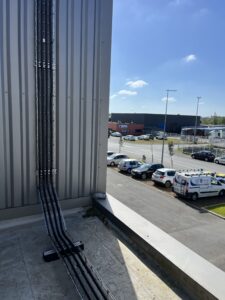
(218, 142)
(214, 150)
(190, 139)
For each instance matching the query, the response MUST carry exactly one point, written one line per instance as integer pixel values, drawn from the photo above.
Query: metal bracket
(52, 255)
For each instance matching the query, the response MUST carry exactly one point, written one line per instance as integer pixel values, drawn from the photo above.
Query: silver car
(220, 160)
(126, 165)
(129, 138)
(116, 134)
(115, 159)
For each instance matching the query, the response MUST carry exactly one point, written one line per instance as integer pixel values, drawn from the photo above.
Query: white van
(197, 185)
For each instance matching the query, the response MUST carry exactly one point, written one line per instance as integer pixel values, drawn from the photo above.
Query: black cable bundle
(87, 283)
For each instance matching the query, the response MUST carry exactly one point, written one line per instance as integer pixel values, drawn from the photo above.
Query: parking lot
(186, 221)
(180, 161)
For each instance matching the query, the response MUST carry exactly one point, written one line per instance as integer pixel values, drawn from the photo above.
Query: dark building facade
(127, 128)
(156, 121)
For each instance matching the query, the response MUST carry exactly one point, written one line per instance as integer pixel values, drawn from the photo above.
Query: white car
(109, 153)
(161, 137)
(129, 138)
(220, 160)
(117, 134)
(127, 165)
(140, 137)
(143, 137)
(115, 159)
(164, 176)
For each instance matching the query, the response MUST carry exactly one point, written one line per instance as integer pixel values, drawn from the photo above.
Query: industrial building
(154, 122)
(126, 128)
(204, 130)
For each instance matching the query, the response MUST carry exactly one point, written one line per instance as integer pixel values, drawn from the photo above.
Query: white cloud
(170, 99)
(175, 2)
(202, 12)
(179, 2)
(190, 58)
(127, 92)
(113, 96)
(136, 84)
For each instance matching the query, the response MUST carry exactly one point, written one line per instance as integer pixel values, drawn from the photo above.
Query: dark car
(203, 155)
(145, 170)
(151, 136)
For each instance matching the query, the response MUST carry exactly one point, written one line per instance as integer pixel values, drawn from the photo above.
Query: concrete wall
(82, 56)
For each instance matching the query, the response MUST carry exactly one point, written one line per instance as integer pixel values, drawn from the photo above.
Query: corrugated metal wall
(17, 104)
(83, 60)
(83, 42)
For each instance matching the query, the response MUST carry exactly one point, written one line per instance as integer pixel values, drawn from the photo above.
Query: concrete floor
(24, 275)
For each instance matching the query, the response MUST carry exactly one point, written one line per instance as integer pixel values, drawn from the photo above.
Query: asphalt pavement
(153, 154)
(202, 232)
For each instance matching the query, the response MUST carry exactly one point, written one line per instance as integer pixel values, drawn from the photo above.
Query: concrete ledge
(18, 212)
(196, 276)
(10, 223)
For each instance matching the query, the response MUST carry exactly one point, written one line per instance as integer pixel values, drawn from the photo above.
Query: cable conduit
(77, 264)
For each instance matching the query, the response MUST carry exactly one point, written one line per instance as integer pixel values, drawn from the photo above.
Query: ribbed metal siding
(17, 109)
(83, 35)
(83, 61)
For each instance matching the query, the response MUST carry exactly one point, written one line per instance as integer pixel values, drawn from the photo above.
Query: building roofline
(154, 114)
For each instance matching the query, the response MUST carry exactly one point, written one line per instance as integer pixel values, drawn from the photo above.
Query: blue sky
(161, 44)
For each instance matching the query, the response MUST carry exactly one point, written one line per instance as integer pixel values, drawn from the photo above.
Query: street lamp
(196, 118)
(164, 129)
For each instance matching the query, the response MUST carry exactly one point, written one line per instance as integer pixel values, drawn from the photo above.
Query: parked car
(115, 159)
(194, 186)
(203, 155)
(220, 175)
(164, 176)
(145, 170)
(220, 160)
(140, 137)
(126, 165)
(117, 134)
(161, 136)
(143, 137)
(109, 153)
(146, 137)
(151, 136)
(214, 174)
(129, 138)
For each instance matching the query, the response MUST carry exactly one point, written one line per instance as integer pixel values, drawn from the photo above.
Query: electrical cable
(48, 195)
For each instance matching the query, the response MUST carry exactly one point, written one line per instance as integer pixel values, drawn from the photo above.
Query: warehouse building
(217, 131)
(126, 128)
(156, 121)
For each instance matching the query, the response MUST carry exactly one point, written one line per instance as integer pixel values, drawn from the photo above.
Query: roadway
(204, 233)
(180, 161)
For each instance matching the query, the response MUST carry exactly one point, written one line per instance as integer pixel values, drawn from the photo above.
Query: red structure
(126, 128)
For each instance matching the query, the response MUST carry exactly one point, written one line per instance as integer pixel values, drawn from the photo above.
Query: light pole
(151, 144)
(164, 128)
(196, 118)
